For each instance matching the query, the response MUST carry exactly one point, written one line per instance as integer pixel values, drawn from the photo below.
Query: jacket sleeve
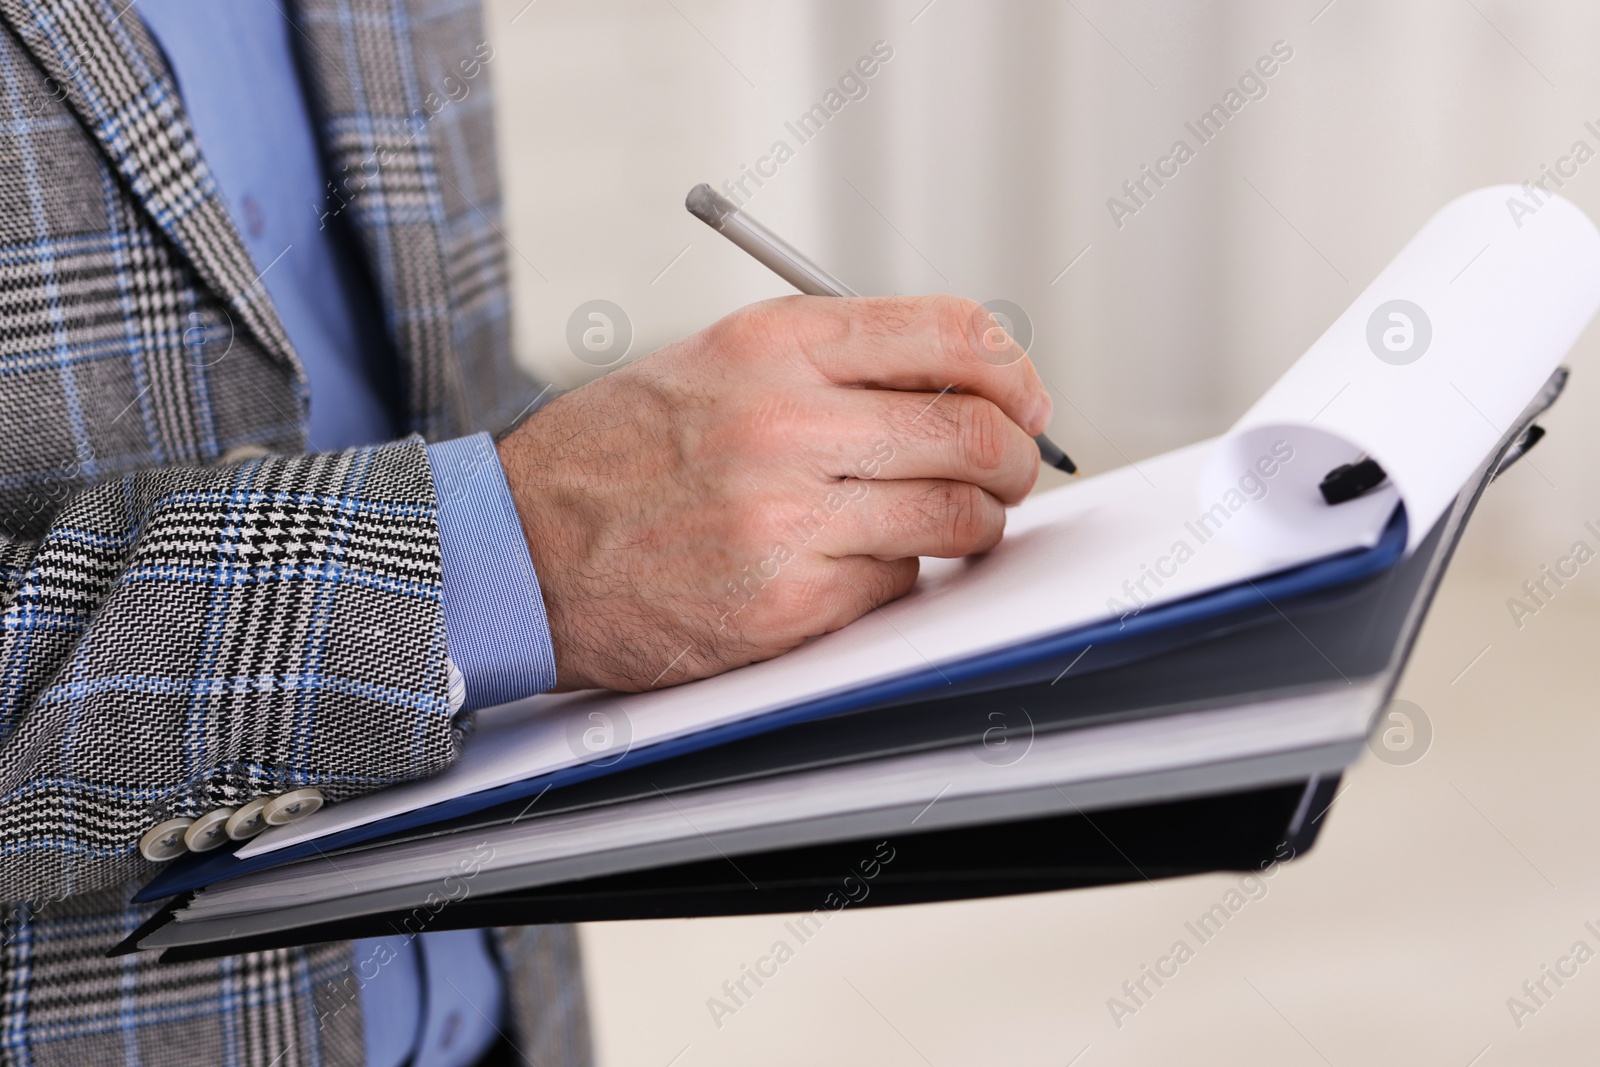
(183, 639)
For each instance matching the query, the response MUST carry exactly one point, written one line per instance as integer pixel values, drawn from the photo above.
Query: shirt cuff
(494, 616)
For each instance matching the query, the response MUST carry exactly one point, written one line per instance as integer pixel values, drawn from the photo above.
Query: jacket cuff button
(294, 805)
(164, 840)
(249, 820)
(208, 831)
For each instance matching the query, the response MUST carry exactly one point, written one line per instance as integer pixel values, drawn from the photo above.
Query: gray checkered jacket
(184, 628)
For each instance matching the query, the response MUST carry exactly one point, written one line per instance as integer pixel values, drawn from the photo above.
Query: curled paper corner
(1258, 490)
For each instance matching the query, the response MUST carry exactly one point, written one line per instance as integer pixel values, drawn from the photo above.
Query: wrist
(540, 506)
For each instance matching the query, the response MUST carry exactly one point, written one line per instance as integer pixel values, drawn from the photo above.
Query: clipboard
(1342, 647)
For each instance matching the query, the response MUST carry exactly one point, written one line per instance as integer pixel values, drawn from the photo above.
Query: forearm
(185, 639)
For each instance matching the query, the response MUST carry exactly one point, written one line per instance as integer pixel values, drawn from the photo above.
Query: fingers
(927, 344)
(891, 520)
(892, 435)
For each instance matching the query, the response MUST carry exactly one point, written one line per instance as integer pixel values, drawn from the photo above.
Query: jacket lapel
(112, 75)
(375, 111)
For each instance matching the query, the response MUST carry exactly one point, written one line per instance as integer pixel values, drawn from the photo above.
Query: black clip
(1350, 480)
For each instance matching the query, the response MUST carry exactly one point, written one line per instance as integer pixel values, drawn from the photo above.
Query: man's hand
(768, 479)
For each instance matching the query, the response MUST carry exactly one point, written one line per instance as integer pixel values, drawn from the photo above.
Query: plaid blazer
(184, 629)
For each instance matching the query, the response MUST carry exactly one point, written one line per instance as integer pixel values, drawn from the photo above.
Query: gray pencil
(784, 260)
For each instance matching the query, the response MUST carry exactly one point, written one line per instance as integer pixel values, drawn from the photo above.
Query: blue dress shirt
(437, 999)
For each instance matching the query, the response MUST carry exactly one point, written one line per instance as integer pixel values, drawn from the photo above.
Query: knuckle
(772, 423)
(892, 579)
(757, 526)
(968, 518)
(803, 328)
(983, 433)
(920, 419)
(803, 520)
(959, 515)
(903, 576)
(878, 584)
(886, 316)
(955, 318)
(738, 331)
(752, 328)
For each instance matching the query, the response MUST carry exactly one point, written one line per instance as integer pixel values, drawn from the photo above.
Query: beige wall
(981, 162)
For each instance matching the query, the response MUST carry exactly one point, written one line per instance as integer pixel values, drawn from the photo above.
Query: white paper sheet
(1504, 304)
(1496, 298)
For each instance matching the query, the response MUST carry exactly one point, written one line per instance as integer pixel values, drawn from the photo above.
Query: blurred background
(979, 159)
